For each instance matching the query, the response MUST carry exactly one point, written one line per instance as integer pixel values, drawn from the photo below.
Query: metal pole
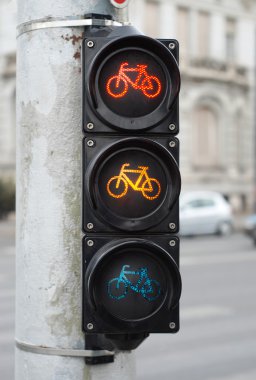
(49, 142)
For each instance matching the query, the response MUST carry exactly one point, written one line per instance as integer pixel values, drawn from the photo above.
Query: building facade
(217, 54)
(7, 88)
(217, 62)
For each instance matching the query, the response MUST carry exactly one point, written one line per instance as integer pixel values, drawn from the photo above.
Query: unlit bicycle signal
(148, 288)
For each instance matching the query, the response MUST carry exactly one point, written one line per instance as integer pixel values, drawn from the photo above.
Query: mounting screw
(172, 243)
(172, 226)
(90, 44)
(90, 126)
(172, 144)
(172, 325)
(172, 45)
(90, 243)
(172, 127)
(90, 143)
(90, 326)
(90, 226)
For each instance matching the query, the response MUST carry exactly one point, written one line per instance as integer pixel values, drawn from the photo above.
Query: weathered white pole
(48, 287)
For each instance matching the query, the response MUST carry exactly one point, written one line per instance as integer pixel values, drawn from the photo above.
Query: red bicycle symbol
(118, 85)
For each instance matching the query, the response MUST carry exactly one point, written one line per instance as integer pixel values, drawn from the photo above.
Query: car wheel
(224, 229)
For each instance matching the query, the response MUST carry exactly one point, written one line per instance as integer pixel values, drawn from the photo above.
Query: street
(7, 293)
(217, 340)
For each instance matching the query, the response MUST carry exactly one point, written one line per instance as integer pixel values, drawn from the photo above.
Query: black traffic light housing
(103, 60)
(131, 185)
(104, 212)
(110, 310)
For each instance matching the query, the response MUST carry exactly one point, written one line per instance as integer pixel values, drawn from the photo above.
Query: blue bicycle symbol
(149, 289)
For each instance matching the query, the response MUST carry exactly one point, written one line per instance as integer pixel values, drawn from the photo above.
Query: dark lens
(131, 285)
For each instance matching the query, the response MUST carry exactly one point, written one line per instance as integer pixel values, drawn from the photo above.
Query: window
(230, 39)
(205, 137)
(183, 28)
(203, 34)
(239, 131)
(151, 18)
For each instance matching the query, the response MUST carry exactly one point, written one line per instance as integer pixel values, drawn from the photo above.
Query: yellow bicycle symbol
(117, 186)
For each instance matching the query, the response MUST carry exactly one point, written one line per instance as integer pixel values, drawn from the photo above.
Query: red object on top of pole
(119, 3)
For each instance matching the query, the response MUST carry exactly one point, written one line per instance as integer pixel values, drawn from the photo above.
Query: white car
(205, 212)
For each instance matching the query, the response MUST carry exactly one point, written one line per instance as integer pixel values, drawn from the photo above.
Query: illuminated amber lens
(117, 186)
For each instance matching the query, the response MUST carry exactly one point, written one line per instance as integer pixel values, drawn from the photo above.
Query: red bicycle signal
(118, 85)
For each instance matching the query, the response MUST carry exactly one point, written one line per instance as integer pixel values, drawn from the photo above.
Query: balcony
(211, 69)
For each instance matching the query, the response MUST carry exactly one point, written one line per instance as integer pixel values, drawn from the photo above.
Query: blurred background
(218, 204)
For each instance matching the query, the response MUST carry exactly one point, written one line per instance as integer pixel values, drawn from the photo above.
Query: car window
(200, 203)
(207, 203)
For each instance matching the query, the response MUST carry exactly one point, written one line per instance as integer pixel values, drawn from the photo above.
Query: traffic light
(131, 84)
(131, 186)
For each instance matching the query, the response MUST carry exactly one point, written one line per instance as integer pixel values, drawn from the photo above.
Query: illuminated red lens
(118, 85)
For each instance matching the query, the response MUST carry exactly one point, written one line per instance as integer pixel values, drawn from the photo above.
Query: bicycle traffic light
(130, 85)
(131, 185)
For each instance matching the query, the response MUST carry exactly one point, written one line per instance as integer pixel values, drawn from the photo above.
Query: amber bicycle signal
(117, 186)
(118, 85)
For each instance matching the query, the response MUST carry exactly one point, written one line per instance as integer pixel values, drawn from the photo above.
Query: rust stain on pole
(77, 55)
(74, 39)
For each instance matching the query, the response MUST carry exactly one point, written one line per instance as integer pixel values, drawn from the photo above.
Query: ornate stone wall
(217, 65)
(217, 53)
(7, 87)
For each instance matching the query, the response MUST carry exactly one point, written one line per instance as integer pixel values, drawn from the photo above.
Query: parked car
(250, 227)
(205, 212)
